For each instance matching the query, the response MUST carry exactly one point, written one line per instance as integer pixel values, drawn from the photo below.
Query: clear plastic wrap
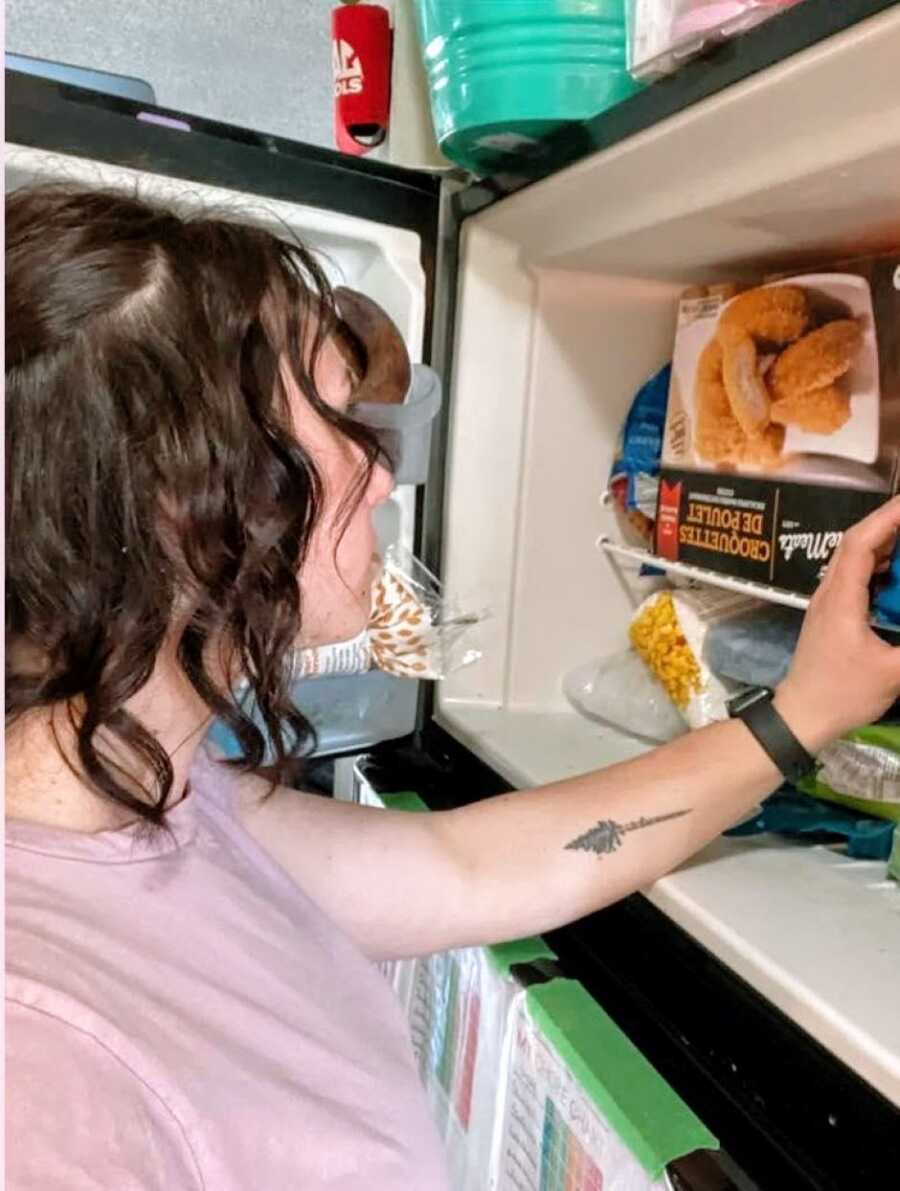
(413, 630)
(620, 691)
(861, 771)
(665, 33)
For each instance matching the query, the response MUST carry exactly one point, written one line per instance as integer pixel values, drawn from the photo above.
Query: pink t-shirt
(181, 1016)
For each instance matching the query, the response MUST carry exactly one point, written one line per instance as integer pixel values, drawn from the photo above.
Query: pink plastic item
(665, 33)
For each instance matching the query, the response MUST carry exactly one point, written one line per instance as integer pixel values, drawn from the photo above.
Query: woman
(190, 999)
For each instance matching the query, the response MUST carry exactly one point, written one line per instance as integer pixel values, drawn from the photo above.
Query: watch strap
(776, 739)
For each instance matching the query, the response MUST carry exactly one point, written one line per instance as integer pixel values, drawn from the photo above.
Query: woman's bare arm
(521, 863)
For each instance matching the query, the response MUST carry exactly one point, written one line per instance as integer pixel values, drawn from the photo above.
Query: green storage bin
(504, 73)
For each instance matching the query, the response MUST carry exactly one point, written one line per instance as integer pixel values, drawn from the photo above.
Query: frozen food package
(634, 477)
(862, 771)
(622, 692)
(669, 631)
(755, 647)
(666, 33)
(783, 421)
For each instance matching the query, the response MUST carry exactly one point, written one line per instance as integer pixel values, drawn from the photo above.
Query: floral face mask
(411, 632)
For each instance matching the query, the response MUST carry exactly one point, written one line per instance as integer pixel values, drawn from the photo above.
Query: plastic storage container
(503, 73)
(666, 33)
(405, 430)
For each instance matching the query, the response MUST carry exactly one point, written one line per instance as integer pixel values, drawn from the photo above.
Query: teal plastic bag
(790, 813)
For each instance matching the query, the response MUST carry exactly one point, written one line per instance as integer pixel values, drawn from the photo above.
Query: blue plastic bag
(634, 477)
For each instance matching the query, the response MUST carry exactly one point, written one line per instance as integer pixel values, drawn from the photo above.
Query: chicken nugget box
(783, 423)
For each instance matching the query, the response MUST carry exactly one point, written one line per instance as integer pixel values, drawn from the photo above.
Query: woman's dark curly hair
(154, 484)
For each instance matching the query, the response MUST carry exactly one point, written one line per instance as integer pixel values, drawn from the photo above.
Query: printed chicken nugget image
(709, 365)
(766, 449)
(778, 314)
(818, 411)
(745, 387)
(717, 436)
(816, 360)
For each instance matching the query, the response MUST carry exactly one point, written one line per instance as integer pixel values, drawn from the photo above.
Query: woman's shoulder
(214, 780)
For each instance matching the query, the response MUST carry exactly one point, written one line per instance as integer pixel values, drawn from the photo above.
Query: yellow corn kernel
(657, 637)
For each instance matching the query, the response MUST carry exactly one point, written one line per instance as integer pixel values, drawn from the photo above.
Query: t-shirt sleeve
(78, 1118)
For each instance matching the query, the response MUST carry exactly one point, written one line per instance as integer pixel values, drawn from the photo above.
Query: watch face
(745, 699)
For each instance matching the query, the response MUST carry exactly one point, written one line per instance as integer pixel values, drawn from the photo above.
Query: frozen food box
(783, 423)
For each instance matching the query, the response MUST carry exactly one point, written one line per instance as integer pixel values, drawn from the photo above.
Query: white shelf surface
(816, 934)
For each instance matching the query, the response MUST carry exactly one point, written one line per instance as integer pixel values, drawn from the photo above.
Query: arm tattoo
(607, 836)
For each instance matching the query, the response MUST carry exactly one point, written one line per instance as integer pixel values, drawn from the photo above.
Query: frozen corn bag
(669, 632)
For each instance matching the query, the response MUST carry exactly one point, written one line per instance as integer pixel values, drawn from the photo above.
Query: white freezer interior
(383, 262)
(566, 305)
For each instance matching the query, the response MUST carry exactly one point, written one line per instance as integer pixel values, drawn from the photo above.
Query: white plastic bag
(621, 691)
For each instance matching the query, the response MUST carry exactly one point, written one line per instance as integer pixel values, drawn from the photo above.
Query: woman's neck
(43, 780)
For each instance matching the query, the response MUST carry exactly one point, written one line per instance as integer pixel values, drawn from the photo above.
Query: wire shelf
(761, 591)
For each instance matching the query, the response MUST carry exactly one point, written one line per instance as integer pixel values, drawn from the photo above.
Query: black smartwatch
(754, 706)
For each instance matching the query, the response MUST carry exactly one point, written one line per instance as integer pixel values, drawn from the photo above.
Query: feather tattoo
(607, 836)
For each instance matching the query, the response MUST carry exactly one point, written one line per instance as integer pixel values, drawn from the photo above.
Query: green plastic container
(504, 73)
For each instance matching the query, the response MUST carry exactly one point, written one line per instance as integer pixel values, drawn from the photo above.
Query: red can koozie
(361, 46)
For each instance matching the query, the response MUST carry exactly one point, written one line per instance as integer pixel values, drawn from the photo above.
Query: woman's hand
(843, 675)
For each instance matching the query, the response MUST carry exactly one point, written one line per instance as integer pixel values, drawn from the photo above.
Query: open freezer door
(373, 226)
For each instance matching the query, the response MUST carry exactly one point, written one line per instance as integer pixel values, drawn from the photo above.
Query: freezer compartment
(566, 305)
